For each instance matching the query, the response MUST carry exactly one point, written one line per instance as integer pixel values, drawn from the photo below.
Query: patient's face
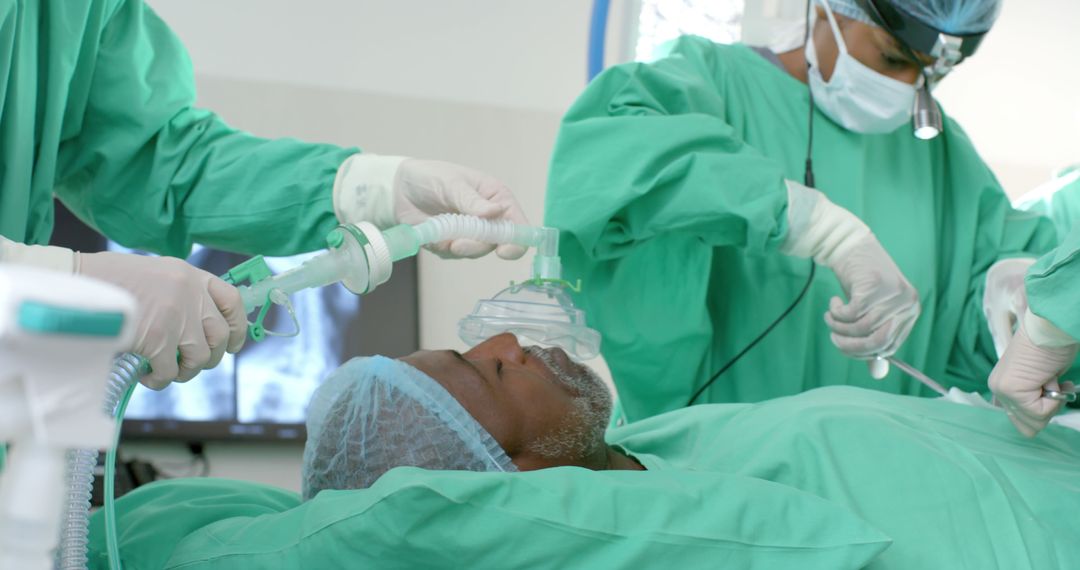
(544, 409)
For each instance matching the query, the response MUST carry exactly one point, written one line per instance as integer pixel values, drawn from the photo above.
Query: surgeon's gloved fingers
(473, 204)
(216, 331)
(510, 251)
(902, 329)
(194, 358)
(498, 193)
(229, 304)
(855, 347)
(441, 249)
(494, 200)
(870, 320)
(163, 369)
(849, 312)
(1029, 410)
(1002, 327)
(863, 347)
(469, 249)
(1028, 422)
(1022, 425)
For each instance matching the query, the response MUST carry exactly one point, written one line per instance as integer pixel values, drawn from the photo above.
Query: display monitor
(262, 392)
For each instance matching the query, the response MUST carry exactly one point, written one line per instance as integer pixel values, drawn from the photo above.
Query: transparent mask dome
(537, 313)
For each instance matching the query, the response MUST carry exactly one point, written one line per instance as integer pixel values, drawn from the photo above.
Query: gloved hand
(1005, 299)
(882, 305)
(1037, 355)
(181, 307)
(385, 190)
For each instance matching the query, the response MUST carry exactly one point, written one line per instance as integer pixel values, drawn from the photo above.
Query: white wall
(1019, 97)
(506, 53)
(484, 83)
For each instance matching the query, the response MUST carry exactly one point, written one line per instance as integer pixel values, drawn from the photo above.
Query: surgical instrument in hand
(918, 375)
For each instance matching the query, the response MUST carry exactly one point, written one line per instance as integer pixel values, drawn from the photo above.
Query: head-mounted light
(917, 37)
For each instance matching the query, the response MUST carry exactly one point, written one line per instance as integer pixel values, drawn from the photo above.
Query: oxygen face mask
(539, 311)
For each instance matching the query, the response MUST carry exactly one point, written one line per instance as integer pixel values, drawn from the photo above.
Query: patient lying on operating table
(500, 407)
(937, 477)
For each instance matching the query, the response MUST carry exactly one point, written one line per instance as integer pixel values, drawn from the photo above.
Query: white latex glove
(1005, 299)
(181, 308)
(1037, 355)
(385, 190)
(882, 305)
(41, 256)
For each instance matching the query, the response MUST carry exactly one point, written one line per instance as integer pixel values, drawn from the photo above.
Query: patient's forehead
(468, 386)
(447, 367)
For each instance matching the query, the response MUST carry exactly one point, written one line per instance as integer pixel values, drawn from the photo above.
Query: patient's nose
(504, 346)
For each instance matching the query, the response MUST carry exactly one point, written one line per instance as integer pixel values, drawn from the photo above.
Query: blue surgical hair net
(374, 414)
(949, 16)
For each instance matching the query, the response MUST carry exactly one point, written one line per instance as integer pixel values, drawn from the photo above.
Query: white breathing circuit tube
(361, 258)
(456, 226)
(75, 526)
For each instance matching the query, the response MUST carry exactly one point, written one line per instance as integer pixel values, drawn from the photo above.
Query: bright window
(664, 20)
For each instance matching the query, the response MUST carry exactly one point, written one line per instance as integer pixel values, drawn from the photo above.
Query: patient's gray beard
(582, 432)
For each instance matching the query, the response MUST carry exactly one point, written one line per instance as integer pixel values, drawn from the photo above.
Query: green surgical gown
(97, 108)
(667, 181)
(1053, 285)
(1058, 200)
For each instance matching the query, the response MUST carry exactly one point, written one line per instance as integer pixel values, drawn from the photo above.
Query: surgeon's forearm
(205, 182)
(679, 181)
(647, 151)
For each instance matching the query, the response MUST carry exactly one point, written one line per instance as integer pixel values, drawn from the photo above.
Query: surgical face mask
(857, 97)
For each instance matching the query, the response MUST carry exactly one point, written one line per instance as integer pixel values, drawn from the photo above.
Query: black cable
(808, 179)
(760, 337)
(808, 175)
(199, 456)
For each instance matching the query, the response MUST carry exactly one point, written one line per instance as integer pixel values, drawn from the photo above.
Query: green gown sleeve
(145, 167)
(1001, 232)
(646, 151)
(1053, 285)
(648, 181)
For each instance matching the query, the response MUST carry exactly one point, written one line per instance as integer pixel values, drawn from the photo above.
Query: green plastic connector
(335, 238)
(251, 272)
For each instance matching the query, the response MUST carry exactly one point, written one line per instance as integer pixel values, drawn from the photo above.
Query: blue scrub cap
(949, 16)
(374, 414)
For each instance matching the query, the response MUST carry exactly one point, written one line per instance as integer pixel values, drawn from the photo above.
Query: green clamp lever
(252, 271)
